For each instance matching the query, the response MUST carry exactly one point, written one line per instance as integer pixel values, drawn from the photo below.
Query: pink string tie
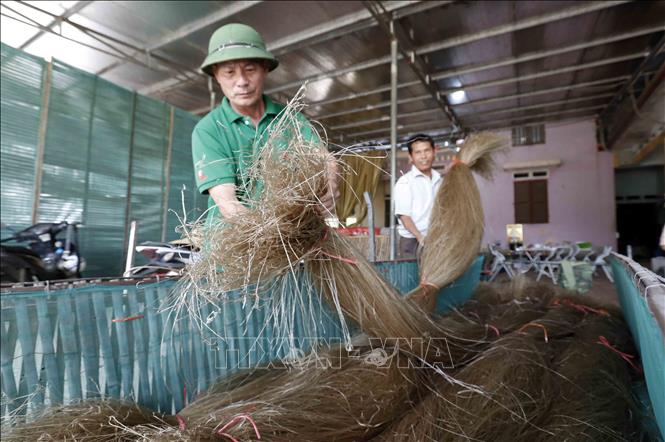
(602, 340)
(341, 258)
(182, 425)
(534, 324)
(236, 420)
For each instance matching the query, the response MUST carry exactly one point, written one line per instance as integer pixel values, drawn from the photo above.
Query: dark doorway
(639, 225)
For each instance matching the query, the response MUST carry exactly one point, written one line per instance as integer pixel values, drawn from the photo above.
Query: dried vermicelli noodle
(336, 396)
(552, 379)
(456, 223)
(92, 420)
(593, 387)
(281, 227)
(493, 369)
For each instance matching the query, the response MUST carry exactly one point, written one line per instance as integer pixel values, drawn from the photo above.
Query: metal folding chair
(551, 265)
(604, 265)
(499, 263)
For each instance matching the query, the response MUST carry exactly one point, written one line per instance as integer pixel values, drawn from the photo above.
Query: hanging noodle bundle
(456, 223)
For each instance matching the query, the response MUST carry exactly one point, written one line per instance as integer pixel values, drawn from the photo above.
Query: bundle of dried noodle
(456, 223)
(550, 379)
(92, 420)
(283, 224)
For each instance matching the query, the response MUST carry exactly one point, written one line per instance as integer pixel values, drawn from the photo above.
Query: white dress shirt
(414, 197)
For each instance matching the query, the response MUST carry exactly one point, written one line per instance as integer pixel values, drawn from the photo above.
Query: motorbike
(40, 253)
(166, 259)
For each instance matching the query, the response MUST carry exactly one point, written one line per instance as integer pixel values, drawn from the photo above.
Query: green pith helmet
(236, 41)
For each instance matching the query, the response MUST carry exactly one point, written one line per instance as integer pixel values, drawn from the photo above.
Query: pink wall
(580, 193)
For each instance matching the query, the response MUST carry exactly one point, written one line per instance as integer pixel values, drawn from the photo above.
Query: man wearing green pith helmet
(226, 141)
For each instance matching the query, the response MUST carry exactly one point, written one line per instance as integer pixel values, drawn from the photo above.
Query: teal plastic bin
(112, 340)
(635, 285)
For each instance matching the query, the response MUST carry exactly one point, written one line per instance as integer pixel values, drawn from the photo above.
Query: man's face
(422, 155)
(242, 81)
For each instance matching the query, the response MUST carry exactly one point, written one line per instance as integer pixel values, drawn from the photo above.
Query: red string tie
(234, 422)
(534, 324)
(182, 425)
(341, 258)
(599, 311)
(580, 307)
(127, 319)
(494, 329)
(456, 161)
(424, 284)
(602, 340)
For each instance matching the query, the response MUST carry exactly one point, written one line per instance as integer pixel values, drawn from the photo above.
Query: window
(531, 206)
(528, 135)
(530, 175)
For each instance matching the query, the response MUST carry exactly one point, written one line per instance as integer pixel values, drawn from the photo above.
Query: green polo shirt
(224, 144)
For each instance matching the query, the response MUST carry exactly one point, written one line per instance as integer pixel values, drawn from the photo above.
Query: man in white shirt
(414, 195)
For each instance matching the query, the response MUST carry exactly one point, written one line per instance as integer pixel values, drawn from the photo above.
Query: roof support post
(47, 78)
(393, 140)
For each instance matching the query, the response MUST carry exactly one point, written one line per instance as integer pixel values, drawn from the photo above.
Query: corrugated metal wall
(94, 153)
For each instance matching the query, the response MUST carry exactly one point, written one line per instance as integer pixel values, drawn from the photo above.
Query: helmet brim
(244, 53)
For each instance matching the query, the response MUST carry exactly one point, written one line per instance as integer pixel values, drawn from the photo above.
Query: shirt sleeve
(403, 198)
(213, 164)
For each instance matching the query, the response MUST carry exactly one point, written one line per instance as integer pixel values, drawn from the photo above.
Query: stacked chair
(547, 262)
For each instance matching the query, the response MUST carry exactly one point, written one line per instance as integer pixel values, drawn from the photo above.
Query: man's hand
(409, 225)
(224, 196)
(330, 197)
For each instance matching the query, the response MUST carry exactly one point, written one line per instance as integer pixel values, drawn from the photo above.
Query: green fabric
(21, 98)
(182, 184)
(103, 143)
(148, 169)
(236, 41)
(107, 178)
(224, 145)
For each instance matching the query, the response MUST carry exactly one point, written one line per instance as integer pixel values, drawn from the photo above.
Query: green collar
(271, 108)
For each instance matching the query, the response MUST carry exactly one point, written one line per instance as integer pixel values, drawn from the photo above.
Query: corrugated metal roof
(517, 62)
